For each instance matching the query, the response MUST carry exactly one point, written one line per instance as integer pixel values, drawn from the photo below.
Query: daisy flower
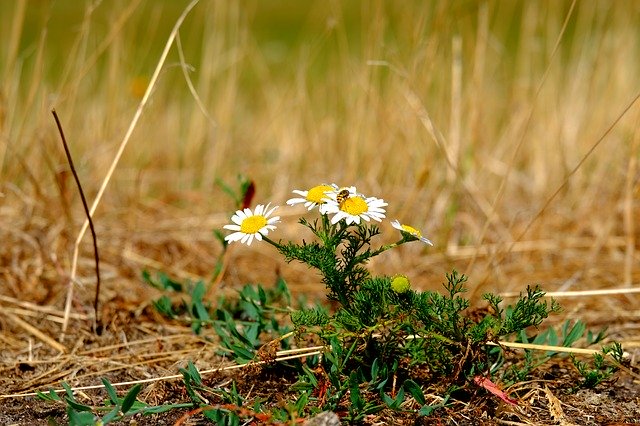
(313, 197)
(347, 204)
(248, 224)
(411, 231)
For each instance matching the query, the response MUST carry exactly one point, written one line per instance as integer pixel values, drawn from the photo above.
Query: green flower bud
(400, 283)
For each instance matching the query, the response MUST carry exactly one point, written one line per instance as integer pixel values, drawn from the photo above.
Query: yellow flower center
(317, 193)
(253, 224)
(411, 230)
(400, 284)
(355, 206)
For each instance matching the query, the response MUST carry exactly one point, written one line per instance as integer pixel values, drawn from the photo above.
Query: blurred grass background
(458, 113)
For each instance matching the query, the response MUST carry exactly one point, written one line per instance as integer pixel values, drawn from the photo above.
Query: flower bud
(400, 284)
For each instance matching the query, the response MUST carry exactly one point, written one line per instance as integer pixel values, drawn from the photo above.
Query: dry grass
(511, 142)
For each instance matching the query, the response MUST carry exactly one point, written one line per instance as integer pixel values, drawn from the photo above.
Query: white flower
(347, 204)
(250, 224)
(313, 197)
(410, 231)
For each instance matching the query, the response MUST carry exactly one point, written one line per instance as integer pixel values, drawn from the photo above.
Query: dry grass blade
(32, 307)
(455, 125)
(581, 293)
(510, 423)
(116, 160)
(187, 78)
(569, 350)
(37, 333)
(545, 348)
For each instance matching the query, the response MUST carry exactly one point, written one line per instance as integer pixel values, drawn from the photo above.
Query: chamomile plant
(381, 320)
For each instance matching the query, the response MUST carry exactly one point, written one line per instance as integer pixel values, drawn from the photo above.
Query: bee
(342, 196)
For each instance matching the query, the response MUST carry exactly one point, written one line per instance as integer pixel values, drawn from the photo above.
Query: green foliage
(193, 307)
(241, 324)
(528, 311)
(239, 195)
(340, 258)
(116, 408)
(568, 335)
(311, 317)
(381, 321)
(228, 408)
(601, 368)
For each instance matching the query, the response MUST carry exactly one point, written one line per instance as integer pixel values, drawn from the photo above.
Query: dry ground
(139, 344)
(507, 131)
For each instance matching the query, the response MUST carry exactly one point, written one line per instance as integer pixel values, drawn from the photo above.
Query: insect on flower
(342, 196)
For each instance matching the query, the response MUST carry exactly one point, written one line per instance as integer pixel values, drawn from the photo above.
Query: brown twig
(96, 320)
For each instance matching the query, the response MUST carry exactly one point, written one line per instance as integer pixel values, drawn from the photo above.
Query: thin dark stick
(86, 210)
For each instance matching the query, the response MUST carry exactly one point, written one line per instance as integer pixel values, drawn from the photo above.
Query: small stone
(326, 418)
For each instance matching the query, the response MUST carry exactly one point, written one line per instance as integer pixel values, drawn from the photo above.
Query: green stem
(270, 241)
(388, 247)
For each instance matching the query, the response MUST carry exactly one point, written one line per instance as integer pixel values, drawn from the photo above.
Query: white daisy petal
(270, 212)
(273, 220)
(294, 201)
(233, 237)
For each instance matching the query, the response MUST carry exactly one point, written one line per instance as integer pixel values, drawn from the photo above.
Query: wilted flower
(410, 231)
